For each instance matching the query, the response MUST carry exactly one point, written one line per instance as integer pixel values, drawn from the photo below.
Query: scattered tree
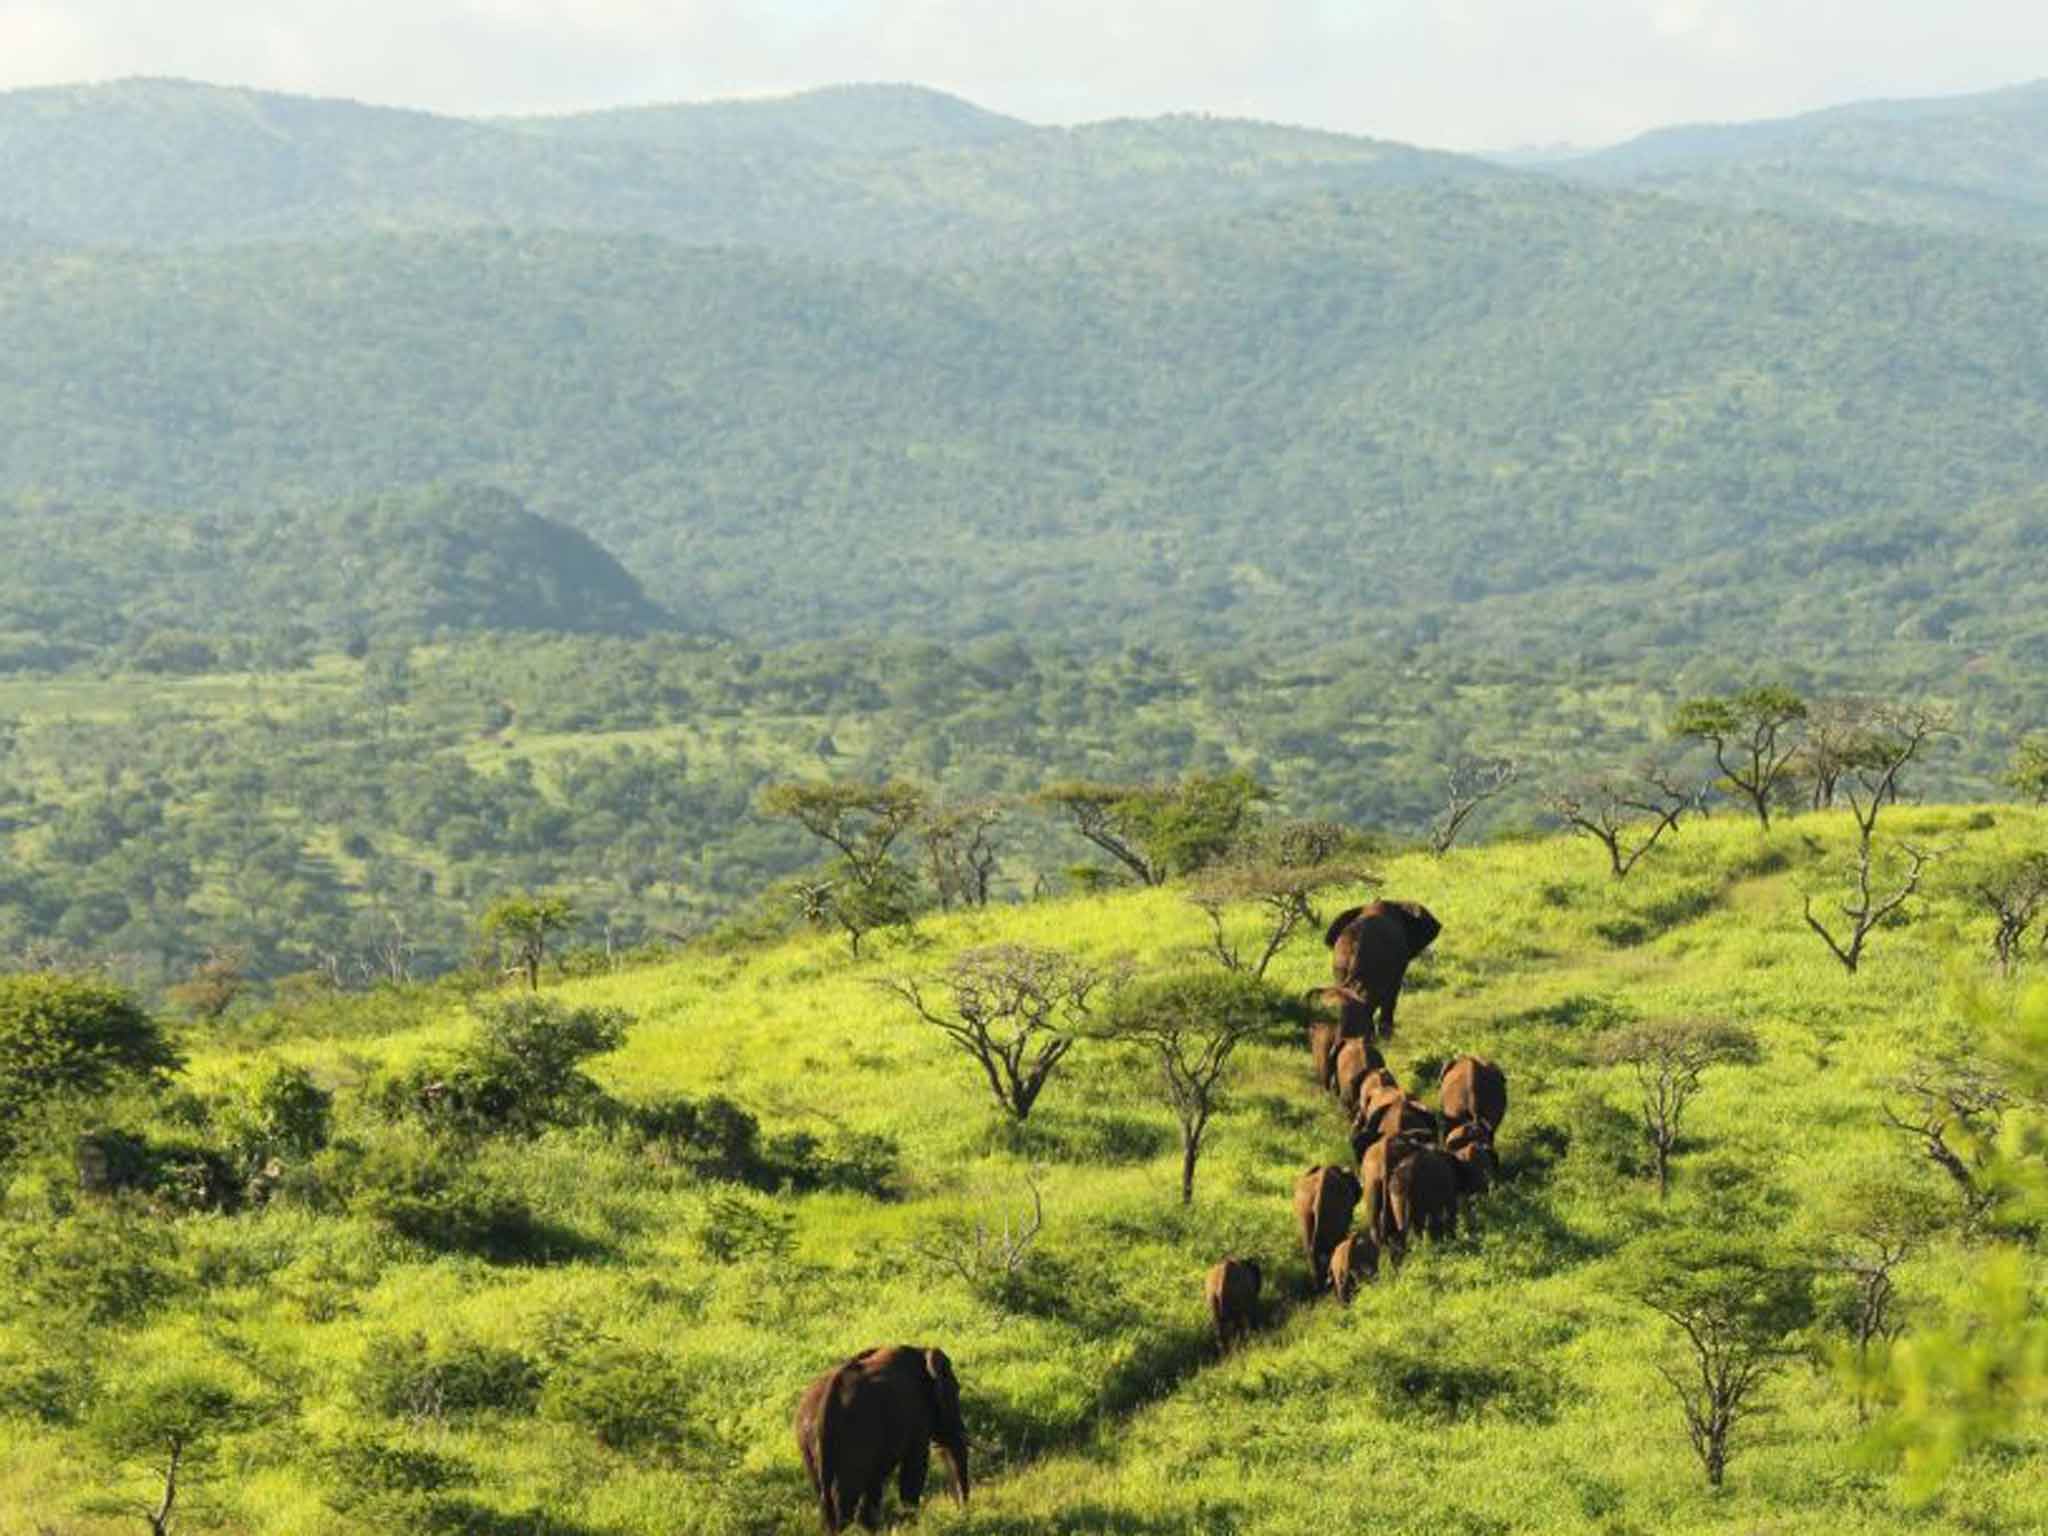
(2014, 891)
(1469, 782)
(213, 986)
(1625, 816)
(1192, 1025)
(69, 1035)
(1157, 831)
(960, 851)
(869, 889)
(1869, 909)
(987, 1260)
(1284, 893)
(1754, 736)
(1952, 1113)
(172, 1424)
(2028, 771)
(526, 922)
(1874, 1227)
(1016, 1010)
(1667, 1058)
(1738, 1312)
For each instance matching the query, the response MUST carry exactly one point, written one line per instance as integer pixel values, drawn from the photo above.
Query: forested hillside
(1975, 163)
(1440, 408)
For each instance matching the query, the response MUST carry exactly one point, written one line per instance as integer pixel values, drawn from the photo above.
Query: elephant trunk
(953, 1450)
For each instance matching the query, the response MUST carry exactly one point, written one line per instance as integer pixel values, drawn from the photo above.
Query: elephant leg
(871, 1499)
(910, 1477)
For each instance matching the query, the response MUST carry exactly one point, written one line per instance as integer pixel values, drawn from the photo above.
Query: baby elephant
(1232, 1289)
(1354, 1261)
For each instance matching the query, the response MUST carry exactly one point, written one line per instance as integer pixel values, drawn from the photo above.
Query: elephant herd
(877, 1415)
(1416, 1165)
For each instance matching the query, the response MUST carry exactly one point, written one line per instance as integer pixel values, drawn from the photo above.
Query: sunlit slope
(1502, 1383)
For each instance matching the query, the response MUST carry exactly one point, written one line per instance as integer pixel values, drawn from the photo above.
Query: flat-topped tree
(1157, 831)
(1625, 814)
(526, 922)
(1755, 736)
(869, 887)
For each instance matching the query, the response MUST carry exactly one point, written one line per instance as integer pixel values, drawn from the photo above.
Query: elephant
(1353, 1013)
(1379, 1161)
(1355, 1059)
(1370, 947)
(1353, 1261)
(1324, 1199)
(878, 1413)
(1390, 1112)
(1232, 1291)
(1470, 1149)
(1422, 1195)
(1473, 1088)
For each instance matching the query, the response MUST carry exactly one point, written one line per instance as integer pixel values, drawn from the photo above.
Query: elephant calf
(1380, 1160)
(1470, 1149)
(1422, 1195)
(1232, 1291)
(1353, 1261)
(877, 1414)
(1355, 1061)
(1324, 1199)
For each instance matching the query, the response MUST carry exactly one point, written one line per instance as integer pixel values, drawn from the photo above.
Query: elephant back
(1474, 1088)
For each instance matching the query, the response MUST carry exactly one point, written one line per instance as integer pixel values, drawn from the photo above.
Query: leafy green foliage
(519, 1073)
(67, 1035)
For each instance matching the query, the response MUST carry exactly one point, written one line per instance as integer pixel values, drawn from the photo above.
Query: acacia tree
(64, 1036)
(1738, 1312)
(1874, 1226)
(1156, 831)
(1191, 1026)
(2028, 771)
(1754, 736)
(1667, 1058)
(1469, 782)
(526, 922)
(171, 1424)
(1952, 1112)
(863, 822)
(1016, 1011)
(960, 851)
(2014, 891)
(1626, 816)
(1285, 895)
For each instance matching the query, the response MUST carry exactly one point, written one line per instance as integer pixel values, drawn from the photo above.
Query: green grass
(1504, 1383)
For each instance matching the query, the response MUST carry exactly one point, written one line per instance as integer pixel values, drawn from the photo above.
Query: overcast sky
(1462, 74)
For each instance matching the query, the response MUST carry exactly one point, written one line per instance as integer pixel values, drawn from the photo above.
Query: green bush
(71, 1035)
(440, 1200)
(94, 1267)
(401, 1377)
(278, 1115)
(517, 1076)
(629, 1399)
(1411, 1386)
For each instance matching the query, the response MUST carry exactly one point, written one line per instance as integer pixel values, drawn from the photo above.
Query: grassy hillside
(1975, 163)
(629, 1365)
(1480, 411)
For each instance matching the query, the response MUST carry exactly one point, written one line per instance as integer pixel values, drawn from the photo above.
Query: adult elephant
(1324, 1199)
(1232, 1291)
(1374, 1169)
(1422, 1196)
(880, 1413)
(1370, 947)
(1474, 1089)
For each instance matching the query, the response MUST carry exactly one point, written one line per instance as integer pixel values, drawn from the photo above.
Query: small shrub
(1417, 1387)
(738, 1227)
(278, 1115)
(445, 1204)
(400, 1377)
(629, 1399)
(517, 1076)
(46, 1389)
(92, 1267)
(714, 1138)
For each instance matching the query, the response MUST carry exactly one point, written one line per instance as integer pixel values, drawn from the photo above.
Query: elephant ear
(1338, 924)
(1421, 924)
(945, 1387)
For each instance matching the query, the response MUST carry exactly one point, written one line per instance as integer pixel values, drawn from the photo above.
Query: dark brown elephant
(1355, 1059)
(1336, 1014)
(1324, 1199)
(1390, 1112)
(1473, 1088)
(1353, 1262)
(1469, 1145)
(876, 1414)
(1422, 1196)
(1379, 1161)
(1370, 947)
(1232, 1291)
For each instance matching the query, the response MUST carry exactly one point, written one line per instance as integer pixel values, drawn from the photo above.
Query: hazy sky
(1457, 73)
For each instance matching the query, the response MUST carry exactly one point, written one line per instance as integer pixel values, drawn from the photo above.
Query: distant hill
(885, 173)
(866, 120)
(1483, 410)
(1971, 163)
(442, 559)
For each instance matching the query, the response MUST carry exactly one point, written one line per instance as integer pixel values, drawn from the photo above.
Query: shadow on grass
(1101, 1520)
